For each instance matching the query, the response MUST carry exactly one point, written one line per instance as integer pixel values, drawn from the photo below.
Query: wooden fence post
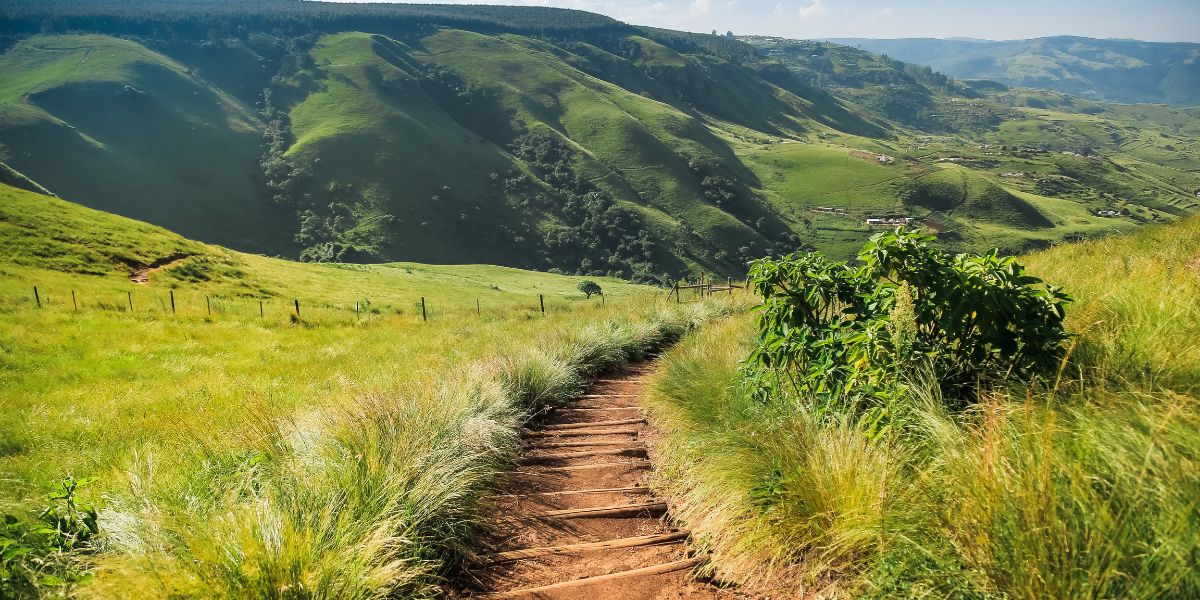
(542, 302)
(208, 304)
(424, 315)
(36, 297)
(297, 307)
(172, 301)
(478, 310)
(73, 302)
(129, 296)
(260, 308)
(356, 308)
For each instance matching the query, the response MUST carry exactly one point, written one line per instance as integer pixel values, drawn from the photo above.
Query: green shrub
(41, 555)
(845, 335)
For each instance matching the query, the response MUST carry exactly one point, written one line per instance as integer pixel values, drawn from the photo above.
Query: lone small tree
(590, 288)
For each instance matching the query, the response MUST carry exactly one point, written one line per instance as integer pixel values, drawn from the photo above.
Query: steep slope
(416, 183)
(127, 130)
(1117, 70)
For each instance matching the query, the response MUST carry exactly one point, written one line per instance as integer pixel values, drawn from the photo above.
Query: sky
(1153, 20)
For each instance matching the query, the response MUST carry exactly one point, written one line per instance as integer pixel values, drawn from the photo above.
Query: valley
(599, 149)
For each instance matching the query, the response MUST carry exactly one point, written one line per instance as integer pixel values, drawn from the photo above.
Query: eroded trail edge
(580, 521)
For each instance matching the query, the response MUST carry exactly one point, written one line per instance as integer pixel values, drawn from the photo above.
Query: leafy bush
(42, 554)
(843, 335)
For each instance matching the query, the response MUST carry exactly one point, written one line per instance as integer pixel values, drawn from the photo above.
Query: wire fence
(183, 302)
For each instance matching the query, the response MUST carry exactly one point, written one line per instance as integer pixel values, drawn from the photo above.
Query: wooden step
(594, 409)
(629, 542)
(563, 426)
(552, 445)
(660, 569)
(609, 396)
(638, 451)
(637, 489)
(581, 432)
(626, 464)
(613, 510)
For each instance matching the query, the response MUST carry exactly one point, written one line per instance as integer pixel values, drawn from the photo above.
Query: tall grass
(378, 497)
(1090, 489)
(1137, 312)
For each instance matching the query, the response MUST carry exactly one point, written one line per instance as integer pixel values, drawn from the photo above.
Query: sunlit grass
(1087, 490)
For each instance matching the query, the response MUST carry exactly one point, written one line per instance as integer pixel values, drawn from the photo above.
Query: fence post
(36, 297)
(73, 302)
(172, 301)
(542, 302)
(424, 315)
(356, 308)
(260, 308)
(297, 307)
(129, 296)
(208, 304)
(601, 298)
(478, 310)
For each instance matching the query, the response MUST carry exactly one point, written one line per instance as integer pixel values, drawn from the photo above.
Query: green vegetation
(841, 339)
(549, 139)
(1083, 485)
(347, 455)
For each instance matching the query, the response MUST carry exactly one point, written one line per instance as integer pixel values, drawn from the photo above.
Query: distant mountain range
(1114, 70)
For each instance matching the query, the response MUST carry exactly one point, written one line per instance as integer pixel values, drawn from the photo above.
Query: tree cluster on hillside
(600, 237)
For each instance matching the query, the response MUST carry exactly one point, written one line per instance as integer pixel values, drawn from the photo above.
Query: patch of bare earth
(142, 275)
(1194, 264)
(580, 521)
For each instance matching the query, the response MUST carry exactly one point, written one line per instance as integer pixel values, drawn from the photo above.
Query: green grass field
(346, 454)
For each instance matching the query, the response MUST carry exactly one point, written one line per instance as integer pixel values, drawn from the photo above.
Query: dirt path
(142, 276)
(581, 522)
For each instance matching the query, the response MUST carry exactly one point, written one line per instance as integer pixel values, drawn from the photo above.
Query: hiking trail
(581, 521)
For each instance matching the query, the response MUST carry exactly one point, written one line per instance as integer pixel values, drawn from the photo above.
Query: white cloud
(778, 12)
(885, 13)
(814, 10)
(699, 8)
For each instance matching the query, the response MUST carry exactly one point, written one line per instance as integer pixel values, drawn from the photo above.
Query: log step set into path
(580, 521)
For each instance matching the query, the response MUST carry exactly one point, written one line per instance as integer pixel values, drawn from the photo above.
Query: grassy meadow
(333, 455)
(1084, 487)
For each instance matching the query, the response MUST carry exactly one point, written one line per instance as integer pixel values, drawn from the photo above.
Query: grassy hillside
(134, 132)
(62, 247)
(178, 419)
(551, 140)
(1083, 485)
(1115, 70)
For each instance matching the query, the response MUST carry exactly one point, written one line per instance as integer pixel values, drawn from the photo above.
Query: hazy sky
(1158, 20)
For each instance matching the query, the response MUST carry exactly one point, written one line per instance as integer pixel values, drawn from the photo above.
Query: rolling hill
(1115, 70)
(545, 139)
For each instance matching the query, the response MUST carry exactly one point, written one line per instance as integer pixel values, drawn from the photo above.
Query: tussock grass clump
(1137, 316)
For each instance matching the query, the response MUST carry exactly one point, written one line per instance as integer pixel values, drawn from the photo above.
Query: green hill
(63, 248)
(545, 139)
(130, 131)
